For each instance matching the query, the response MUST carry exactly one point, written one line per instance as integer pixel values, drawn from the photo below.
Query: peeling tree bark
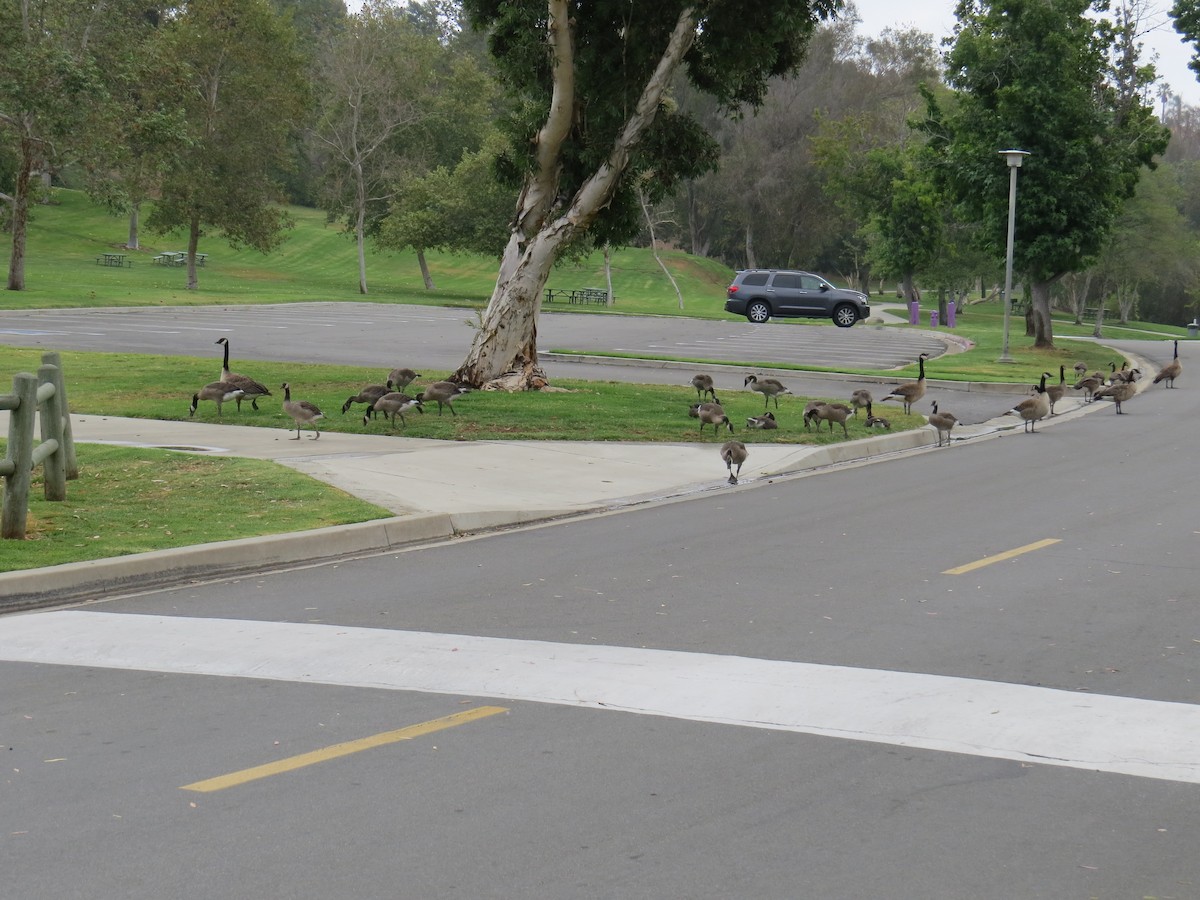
(506, 341)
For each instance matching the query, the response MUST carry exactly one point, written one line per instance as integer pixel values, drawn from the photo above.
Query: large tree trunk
(1043, 330)
(20, 217)
(193, 282)
(506, 341)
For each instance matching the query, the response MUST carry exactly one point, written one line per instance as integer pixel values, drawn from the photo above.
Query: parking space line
(234, 779)
(1000, 557)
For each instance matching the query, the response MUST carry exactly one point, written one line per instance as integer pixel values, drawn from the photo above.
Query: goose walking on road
(1170, 371)
(302, 412)
(1034, 409)
(734, 453)
(944, 422)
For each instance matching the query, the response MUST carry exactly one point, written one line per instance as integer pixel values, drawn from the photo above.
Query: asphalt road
(842, 581)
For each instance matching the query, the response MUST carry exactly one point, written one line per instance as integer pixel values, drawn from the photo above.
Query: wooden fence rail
(45, 395)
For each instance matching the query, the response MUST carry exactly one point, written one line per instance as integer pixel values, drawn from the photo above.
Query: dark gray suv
(759, 294)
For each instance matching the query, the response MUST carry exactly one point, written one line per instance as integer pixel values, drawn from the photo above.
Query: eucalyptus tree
(1053, 78)
(244, 91)
(590, 84)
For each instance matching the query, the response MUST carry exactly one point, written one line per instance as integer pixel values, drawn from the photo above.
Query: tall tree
(591, 83)
(1046, 77)
(245, 93)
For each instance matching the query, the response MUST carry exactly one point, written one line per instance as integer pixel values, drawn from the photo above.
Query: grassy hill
(316, 262)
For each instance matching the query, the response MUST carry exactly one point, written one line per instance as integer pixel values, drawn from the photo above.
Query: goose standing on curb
(1089, 385)
(368, 395)
(1118, 392)
(219, 391)
(1055, 391)
(768, 387)
(911, 391)
(704, 385)
(250, 388)
(766, 421)
(943, 422)
(302, 412)
(443, 393)
(734, 453)
(392, 404)
(1035, 408)
(1170, 371)
(712, 414)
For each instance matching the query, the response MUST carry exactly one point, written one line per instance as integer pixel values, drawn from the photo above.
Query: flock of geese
(388, 398)
(1118, 385)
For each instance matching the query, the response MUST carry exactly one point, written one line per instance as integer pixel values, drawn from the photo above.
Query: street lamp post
(1014, 159)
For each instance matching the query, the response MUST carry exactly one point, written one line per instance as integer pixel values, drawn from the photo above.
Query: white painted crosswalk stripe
(1147, 738)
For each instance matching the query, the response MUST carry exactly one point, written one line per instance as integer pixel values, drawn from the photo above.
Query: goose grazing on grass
(402, 378)
(712, 414)
(766, 421)
(874, 421)
(218, 391)
(443, 393)
(250, 388)
(768, 387)
(861, 399)
(1080, 369)
(944, 422)
(1033, 409)
(368, 395)
(734, 453)
(704, 385)
(1118, 392)
(911, 391)
(1170, 371)
(1055, 391)
(810, 413)
(833, 412)
(392, 404)
(302, 412)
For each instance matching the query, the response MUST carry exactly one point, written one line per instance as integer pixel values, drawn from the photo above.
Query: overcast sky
(937, 18)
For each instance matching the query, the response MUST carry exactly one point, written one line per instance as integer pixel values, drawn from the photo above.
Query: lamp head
(1014, 157)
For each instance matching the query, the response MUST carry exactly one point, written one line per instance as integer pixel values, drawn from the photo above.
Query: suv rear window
(755, 279)
(786, 280)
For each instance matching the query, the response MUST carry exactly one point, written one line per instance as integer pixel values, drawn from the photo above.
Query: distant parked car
(759, 294)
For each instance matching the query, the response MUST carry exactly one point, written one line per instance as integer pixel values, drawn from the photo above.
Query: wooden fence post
(50, 451)
(67, 439)
(18, 459)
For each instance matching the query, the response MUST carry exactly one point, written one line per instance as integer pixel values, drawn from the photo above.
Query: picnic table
(598, 296)
(113, 259)
(178, 258)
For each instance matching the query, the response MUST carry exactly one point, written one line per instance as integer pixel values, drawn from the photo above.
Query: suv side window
(755, 279)
(785, 280)
(811, 282)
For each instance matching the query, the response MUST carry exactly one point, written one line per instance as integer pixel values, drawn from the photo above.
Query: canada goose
(712, 414)
(768, 387)
(1055, 391)
(220, 391)
(1080, 369)
(861, 399)
(734, 453)
(1031, 409)
(766, 421)
(704, 385)
(833, 412)
(1088, 385)
(1118, 392)
(442, 393)
(810, 413)
(368, 395)
(301, 411)
(911, 391)
(402, 378)
(1121, 374)
(392, 404)
(943, 422)
(874, 421)
(250, 388)
(1170, 371)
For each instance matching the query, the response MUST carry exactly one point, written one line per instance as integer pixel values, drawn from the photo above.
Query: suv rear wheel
(844, 315)
(758, 312)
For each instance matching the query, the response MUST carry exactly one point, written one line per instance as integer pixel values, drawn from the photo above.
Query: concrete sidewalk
(435, 489)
